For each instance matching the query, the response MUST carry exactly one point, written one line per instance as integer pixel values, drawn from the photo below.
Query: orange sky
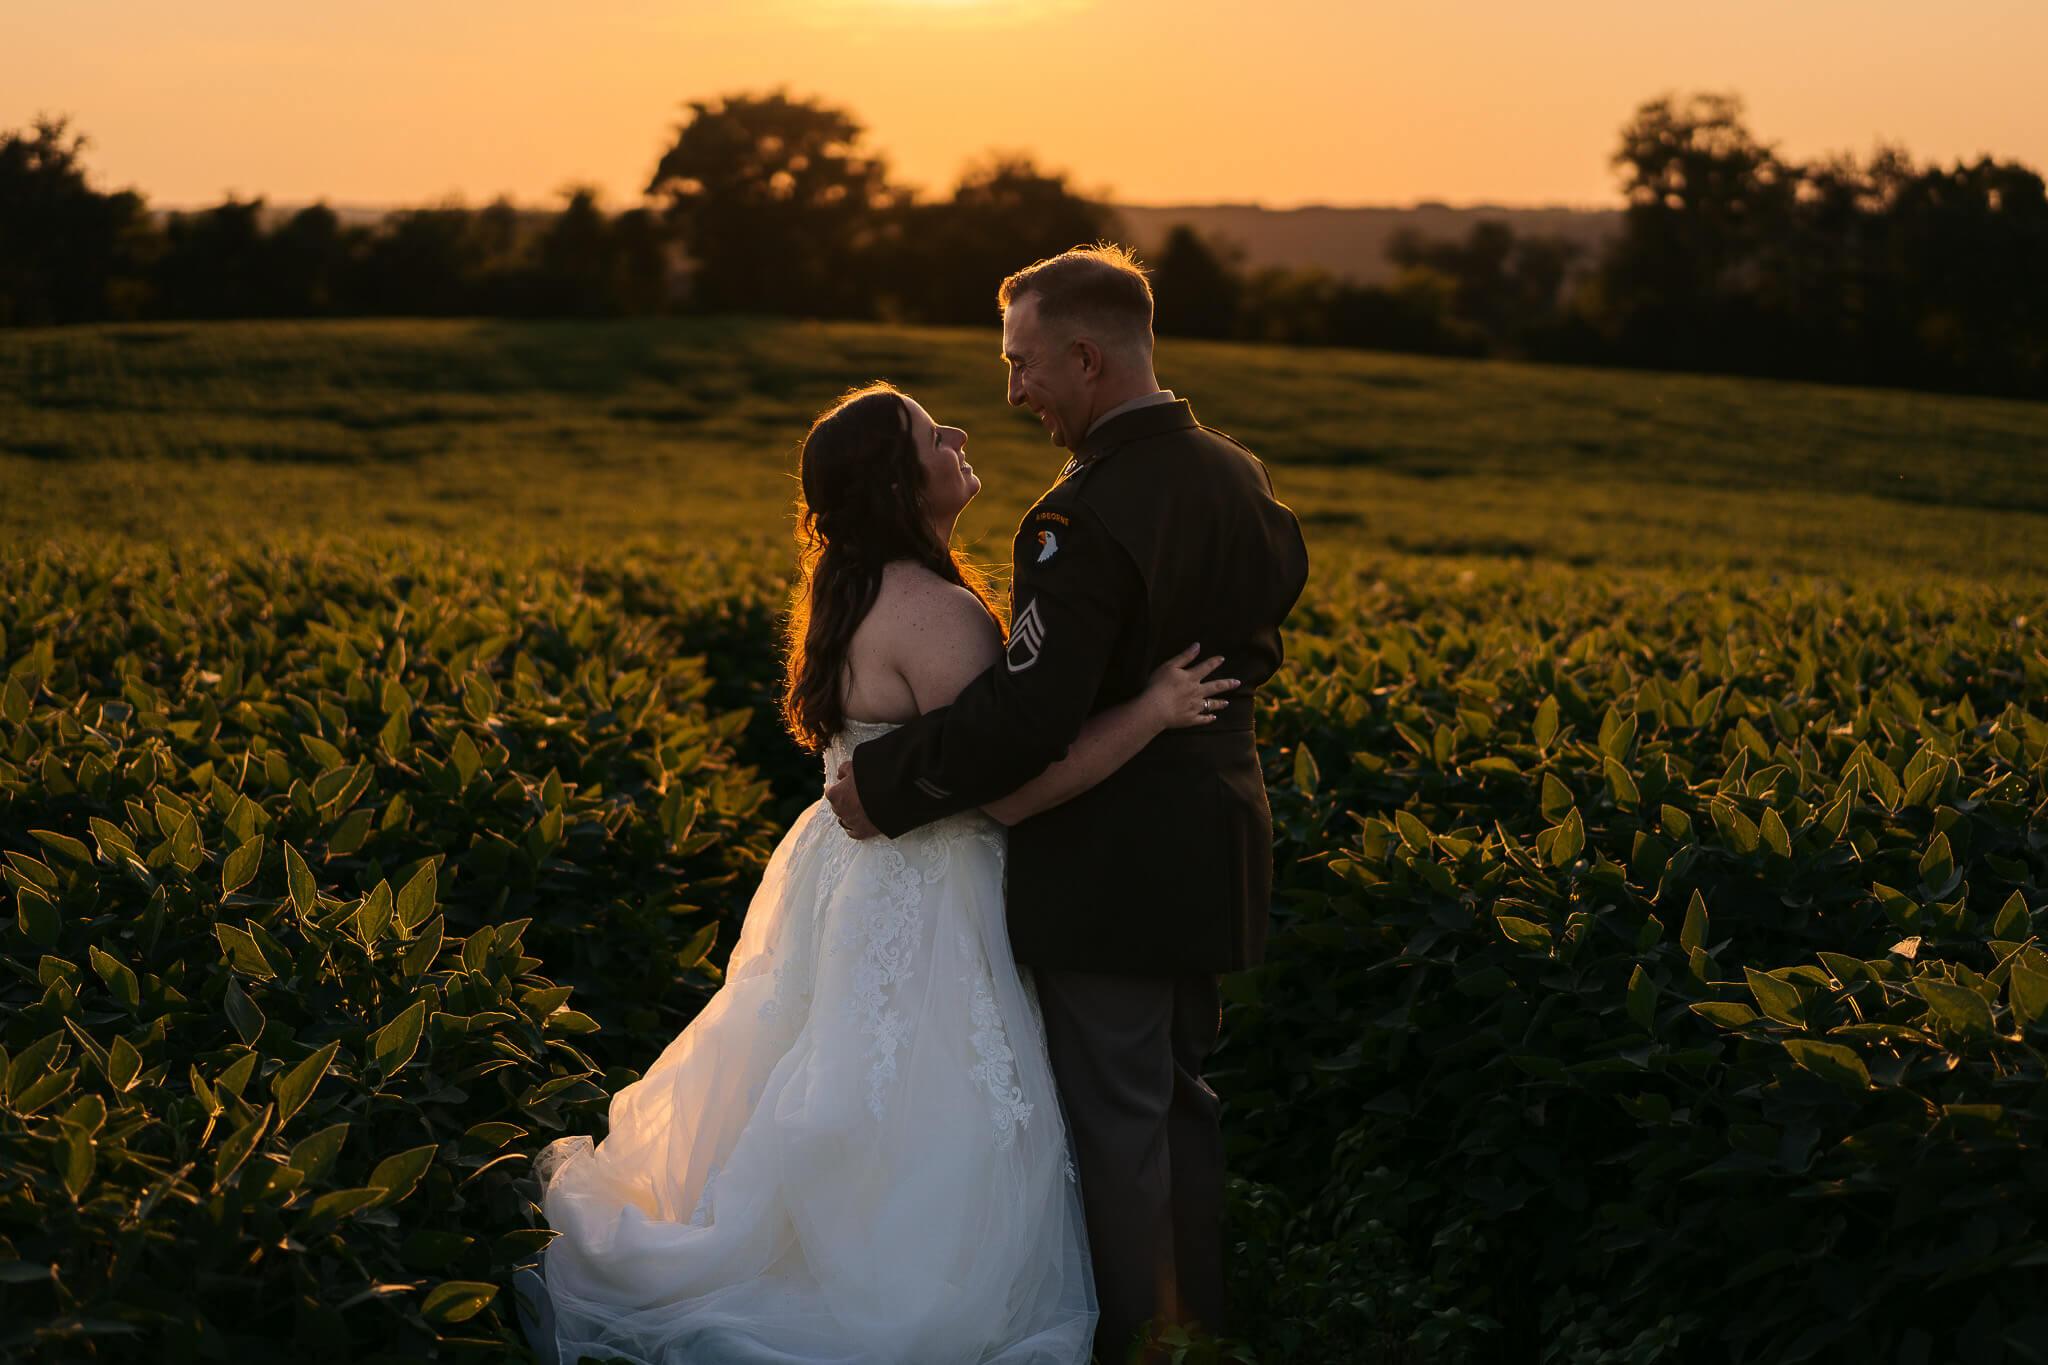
(1154, 101)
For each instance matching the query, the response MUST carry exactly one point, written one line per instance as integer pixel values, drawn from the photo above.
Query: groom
(1128, 900)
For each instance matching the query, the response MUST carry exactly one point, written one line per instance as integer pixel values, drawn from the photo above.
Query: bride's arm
(944, 640)
(1174, 699)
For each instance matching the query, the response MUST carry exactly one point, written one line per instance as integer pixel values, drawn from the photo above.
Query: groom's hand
(845, 799)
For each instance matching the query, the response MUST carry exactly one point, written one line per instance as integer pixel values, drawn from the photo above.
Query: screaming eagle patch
(1049, 545)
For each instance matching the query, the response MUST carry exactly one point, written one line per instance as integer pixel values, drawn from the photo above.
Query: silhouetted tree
(776, 204)
(441, 261)
(309, 260)
(67, 252)
(1507, 287)
(214, 264)
(1197, 285)
(1705, 197)
(946, 259)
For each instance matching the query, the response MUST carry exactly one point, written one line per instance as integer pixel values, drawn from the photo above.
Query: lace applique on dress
(993, 1071)
(886, 928)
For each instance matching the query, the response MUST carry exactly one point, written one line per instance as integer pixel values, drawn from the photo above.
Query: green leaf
(1557, 798)
(1569, 841)
(124, 1064)
(300, 878)
(1675, 822)
(394, 1045)
(1620, 785)
(1642, 998)
(398, 1175)
(1528, 933)
(1495, 765)
(420, 954)
(74, 1161)
(236, 1149)
(1937, 863)
(1959, 1009)
(1830, 1061)
(1778, 1000)
(416, 901)
(699, 947)
(243, 953)
(14, 702)
(476, 698)
(62, 844)
(2027, 991)
(1846, 969)
(1901, 909)
(338, 1204)
(1693, 932)
(396, 736)
(1546, 722)
(294, 1087)
(491, 1136)
(373, 916)
(314, 1155)
(463, 754)
(1306, 773)
(36, 915)
(456, 1301)
(120, 978)
(2013, 920)
(242, 1012)
(1413, 832)
(1775, 836)
(325, 754)
(1725, 1013)
(241, 865)
(1737, 828)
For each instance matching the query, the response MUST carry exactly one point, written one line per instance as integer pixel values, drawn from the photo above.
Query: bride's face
(949, 481)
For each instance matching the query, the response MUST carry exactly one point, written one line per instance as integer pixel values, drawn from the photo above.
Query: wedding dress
(853, 1155)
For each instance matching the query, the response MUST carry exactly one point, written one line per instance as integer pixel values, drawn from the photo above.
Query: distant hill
(1348, 242)
(1352, 242)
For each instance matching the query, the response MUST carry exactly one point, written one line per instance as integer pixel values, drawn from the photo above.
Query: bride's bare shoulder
(920, 608)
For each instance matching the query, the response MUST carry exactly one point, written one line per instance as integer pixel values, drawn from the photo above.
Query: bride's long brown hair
(862, 507)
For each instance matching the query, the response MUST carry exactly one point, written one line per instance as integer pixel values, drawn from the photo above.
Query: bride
(854, 1154)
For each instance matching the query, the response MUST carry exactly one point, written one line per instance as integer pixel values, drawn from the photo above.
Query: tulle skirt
(853, 1156)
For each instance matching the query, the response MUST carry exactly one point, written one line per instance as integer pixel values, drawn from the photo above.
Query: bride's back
(919, 644)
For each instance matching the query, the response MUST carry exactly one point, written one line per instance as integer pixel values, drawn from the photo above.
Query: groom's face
(1047, 373)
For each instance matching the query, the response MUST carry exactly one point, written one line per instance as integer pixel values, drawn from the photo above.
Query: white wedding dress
(853, 1155)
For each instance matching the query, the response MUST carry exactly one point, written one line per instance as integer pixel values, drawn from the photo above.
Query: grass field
(1659, 778)
(666, 435)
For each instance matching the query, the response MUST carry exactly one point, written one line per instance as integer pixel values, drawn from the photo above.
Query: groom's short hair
(1099, 289)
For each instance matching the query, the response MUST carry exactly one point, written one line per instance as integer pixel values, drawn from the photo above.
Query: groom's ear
(1091, 356)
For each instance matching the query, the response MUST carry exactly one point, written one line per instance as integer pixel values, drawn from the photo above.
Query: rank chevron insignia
(1027, 637)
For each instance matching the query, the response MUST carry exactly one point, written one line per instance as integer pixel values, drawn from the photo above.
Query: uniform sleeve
(1076, 591)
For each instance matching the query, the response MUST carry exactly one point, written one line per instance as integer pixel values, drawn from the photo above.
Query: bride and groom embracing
(947, 1107)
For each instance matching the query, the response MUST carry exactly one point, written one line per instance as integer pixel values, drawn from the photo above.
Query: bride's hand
(1177, 696)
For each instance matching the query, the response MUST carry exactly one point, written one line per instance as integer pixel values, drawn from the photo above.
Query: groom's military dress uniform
(1129, 899)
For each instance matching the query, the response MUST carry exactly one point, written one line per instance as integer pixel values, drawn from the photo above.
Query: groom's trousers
(1127, 1054)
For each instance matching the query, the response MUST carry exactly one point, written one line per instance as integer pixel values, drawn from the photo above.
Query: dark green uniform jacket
(1162, 532)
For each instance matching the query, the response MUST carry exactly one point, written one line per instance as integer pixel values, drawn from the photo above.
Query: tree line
(1730, 257)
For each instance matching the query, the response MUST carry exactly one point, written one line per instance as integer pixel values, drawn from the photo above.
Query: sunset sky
(1284, 102)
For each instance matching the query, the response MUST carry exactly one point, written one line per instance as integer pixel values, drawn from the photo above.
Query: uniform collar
(1134, 424)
